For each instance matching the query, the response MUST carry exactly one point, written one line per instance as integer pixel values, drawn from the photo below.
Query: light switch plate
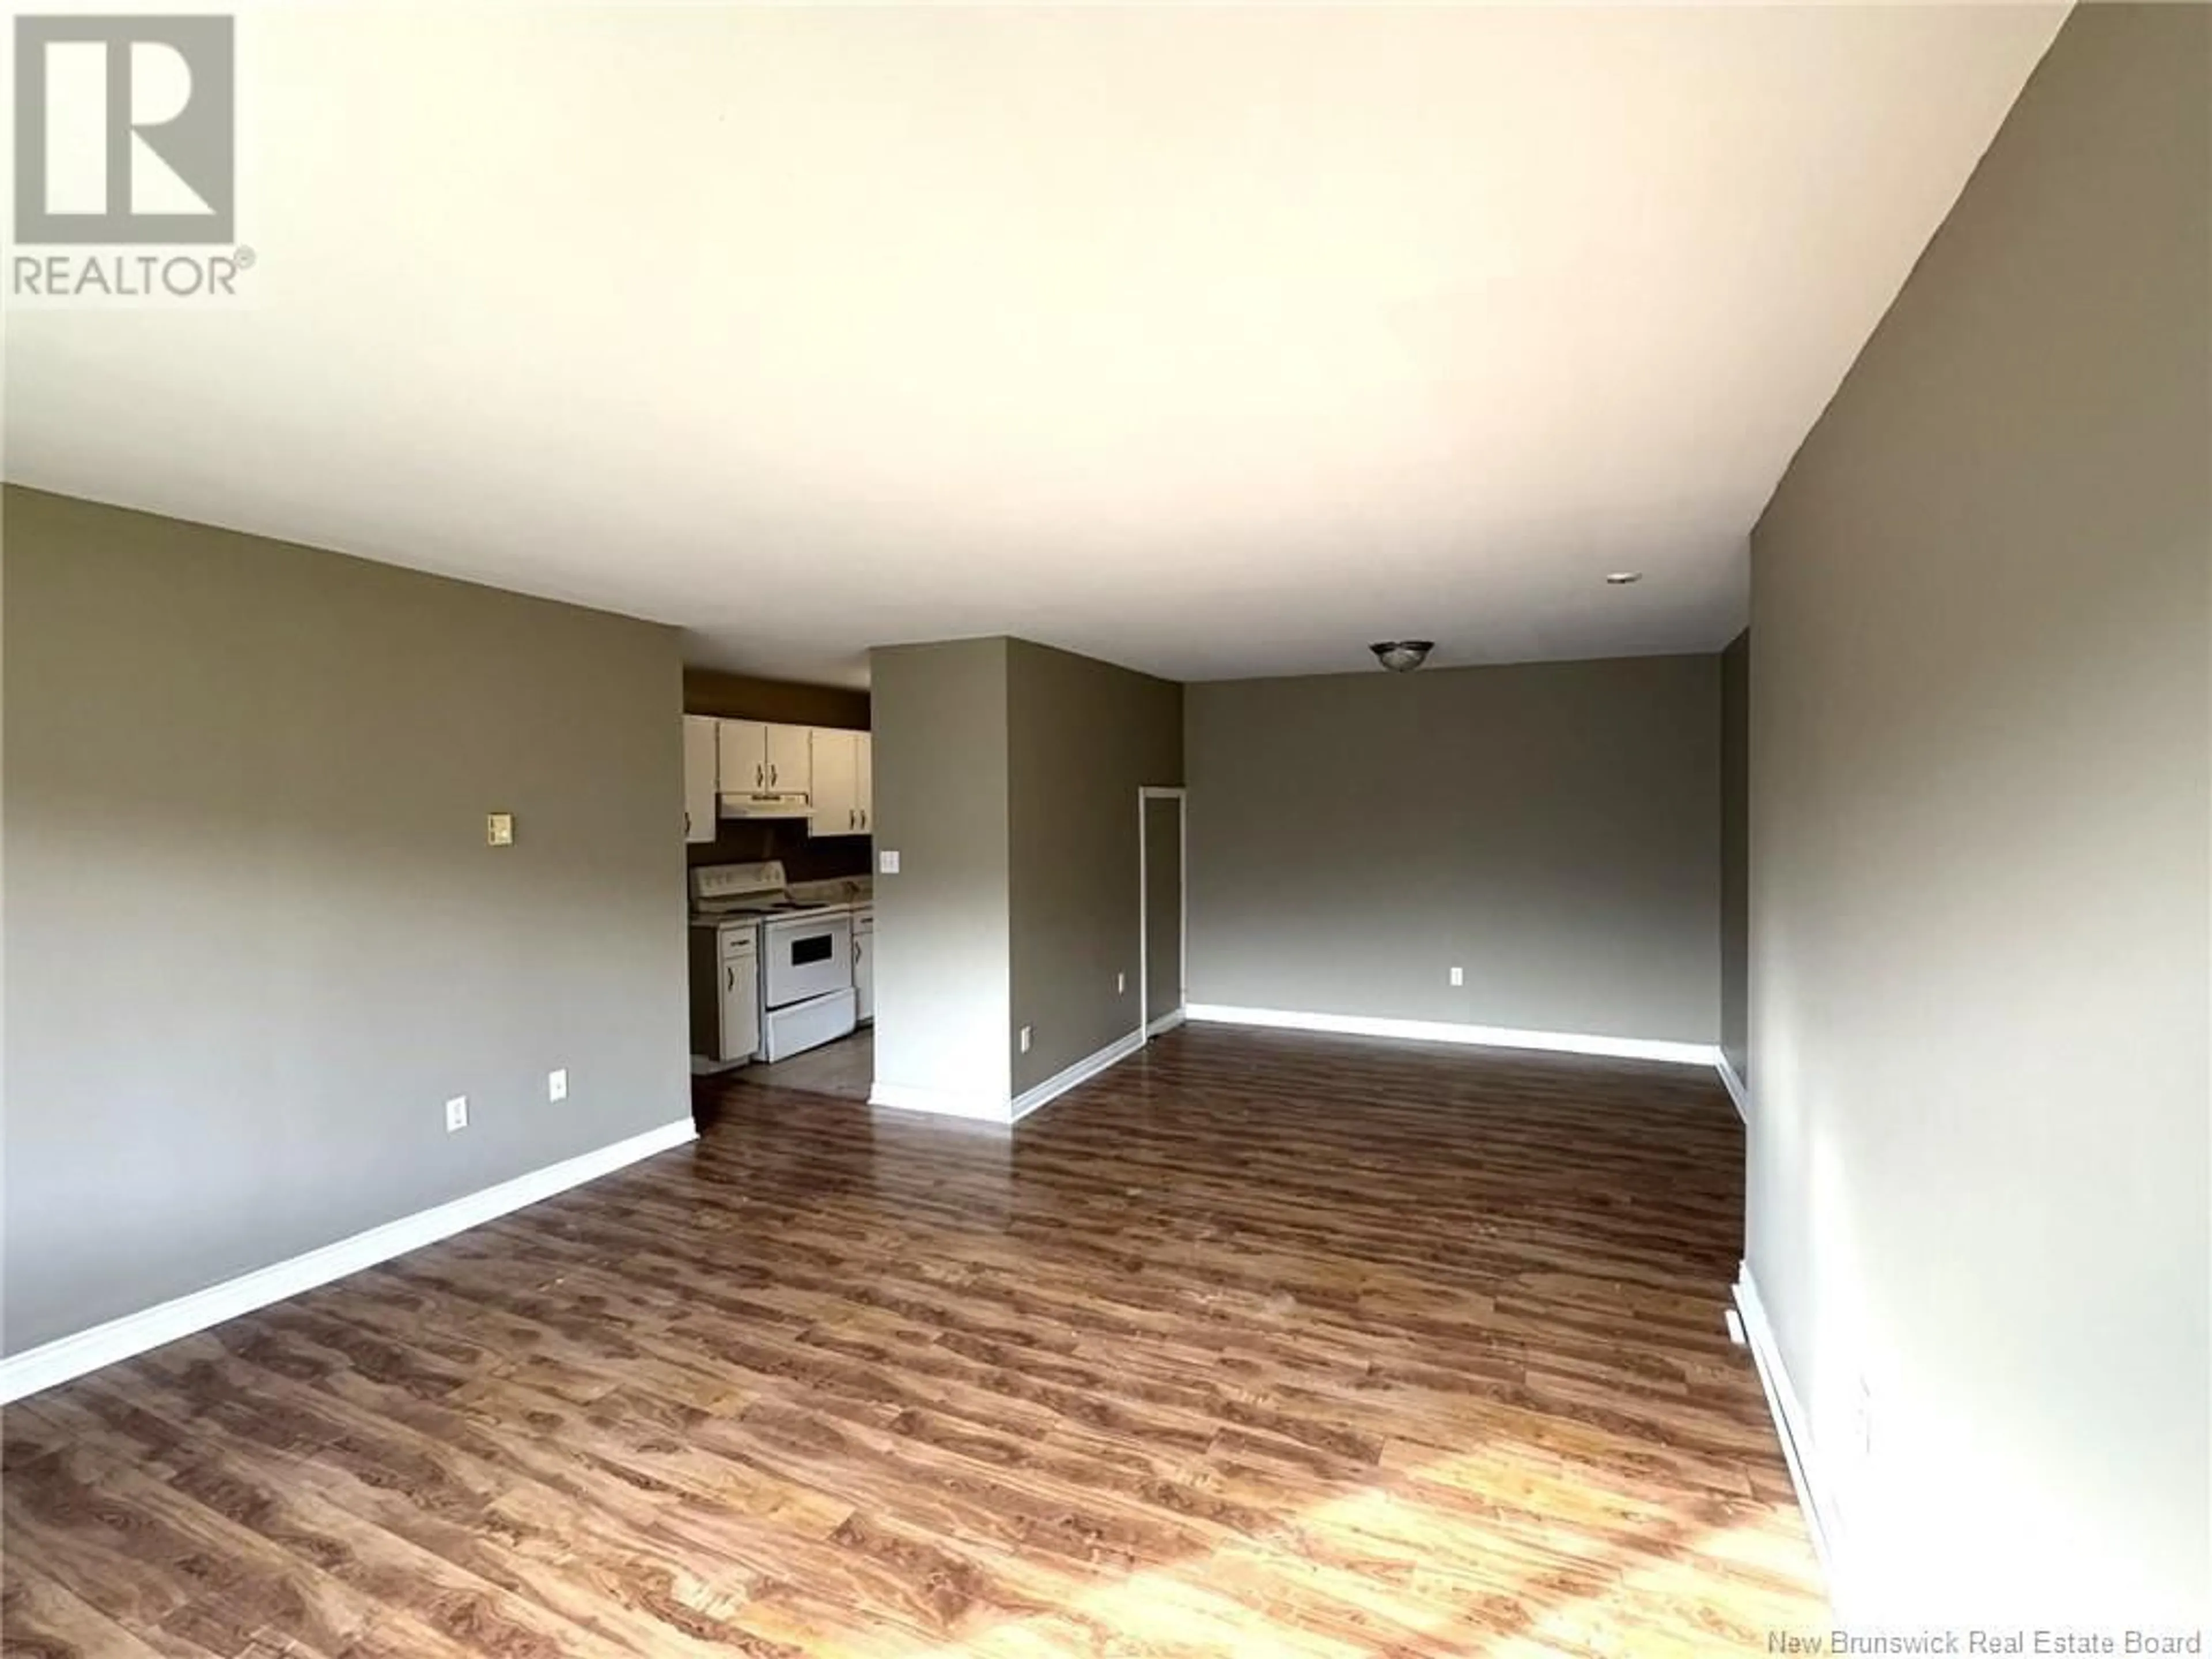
(887, 863)
(557, 1084)
(1459, 977)
(499, 829)
(457, 1113)
(1025, 1039)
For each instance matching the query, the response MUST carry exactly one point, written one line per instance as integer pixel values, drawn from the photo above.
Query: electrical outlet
(887, 863)
(1025, 1039)
(1459, 976)
(457, 1113)
(499, 829)
(557, 1084)
(1121, 984)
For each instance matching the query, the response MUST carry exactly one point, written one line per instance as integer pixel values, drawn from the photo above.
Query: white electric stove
(803, 952)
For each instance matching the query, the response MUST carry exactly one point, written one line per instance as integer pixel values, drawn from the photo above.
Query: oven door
(804, 957)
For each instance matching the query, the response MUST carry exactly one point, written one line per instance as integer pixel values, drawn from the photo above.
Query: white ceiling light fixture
(1403, 656)
(1623, 578)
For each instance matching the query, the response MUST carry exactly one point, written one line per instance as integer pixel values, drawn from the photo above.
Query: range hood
(763, 804)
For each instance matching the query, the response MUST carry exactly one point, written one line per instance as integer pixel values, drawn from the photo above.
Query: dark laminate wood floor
(1262, 1344)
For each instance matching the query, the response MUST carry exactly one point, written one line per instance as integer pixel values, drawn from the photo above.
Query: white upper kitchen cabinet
(867, 782)
(758, 758)
(743, 746)
(791, 759)
(836, 802)
(700, 766)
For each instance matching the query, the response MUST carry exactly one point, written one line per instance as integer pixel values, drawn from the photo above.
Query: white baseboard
(58, 1361)
(1089, 1067)
(1739, 1090)
(1791, 1426)
(1166, 1022)
(939, 1102)
(1436, 1030)
(985, 1109)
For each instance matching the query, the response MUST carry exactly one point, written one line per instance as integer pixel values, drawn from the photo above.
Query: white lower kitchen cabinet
(864, 962)
(726, 1023)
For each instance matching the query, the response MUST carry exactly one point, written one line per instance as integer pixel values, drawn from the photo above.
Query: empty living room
(986, 831)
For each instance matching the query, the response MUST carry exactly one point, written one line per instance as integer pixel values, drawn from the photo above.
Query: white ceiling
(1215, 342)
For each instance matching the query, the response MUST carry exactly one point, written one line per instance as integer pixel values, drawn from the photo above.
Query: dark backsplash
(806, 858)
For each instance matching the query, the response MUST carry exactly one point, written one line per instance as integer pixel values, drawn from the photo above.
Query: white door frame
(1167, 1022)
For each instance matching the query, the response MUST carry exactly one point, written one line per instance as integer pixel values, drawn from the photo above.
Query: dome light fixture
(1623, 578)
(1403, 656)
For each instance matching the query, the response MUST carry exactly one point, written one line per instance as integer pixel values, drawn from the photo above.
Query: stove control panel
(721, 883)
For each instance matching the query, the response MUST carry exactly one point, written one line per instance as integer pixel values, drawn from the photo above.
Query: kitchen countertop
(843, 889)
(805, 898)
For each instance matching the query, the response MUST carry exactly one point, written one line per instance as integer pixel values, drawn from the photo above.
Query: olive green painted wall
(255, 938)
(1082, 737)
(1981, 876)
(1552, 828)
(943, 921)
